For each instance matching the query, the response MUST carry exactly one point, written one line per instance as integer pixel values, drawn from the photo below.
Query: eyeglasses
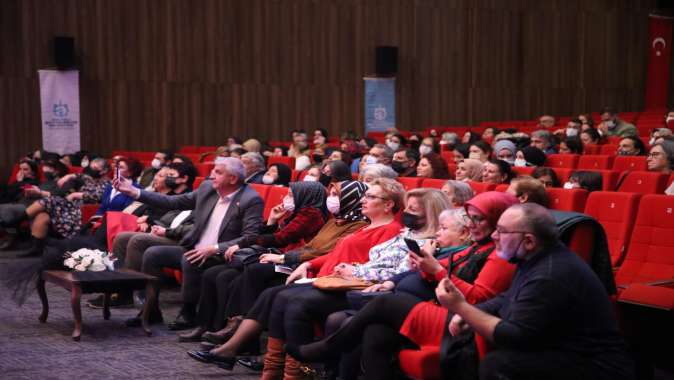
(371, 197)
(474, 219)
(500, 231)
(654, 154)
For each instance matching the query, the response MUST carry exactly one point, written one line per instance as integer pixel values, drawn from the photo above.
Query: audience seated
(371, 172)
(581, 179)
(496, 172)
(469, 170)
(571, 145)
(612, 125)
(405, 161)
(543, 140)
(505, 150)
(631, 146)
(254, 165)
(661, 157)
(161, 159)
(547, 176)
(480, 150)
(278, 175)
(530, 156)
(458, 192)
(461, 152)
(529, 190)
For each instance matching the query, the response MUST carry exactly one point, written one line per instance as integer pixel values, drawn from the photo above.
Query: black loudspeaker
(64, 52)
(386, 60)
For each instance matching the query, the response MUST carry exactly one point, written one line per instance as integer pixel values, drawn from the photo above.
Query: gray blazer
(243, 217)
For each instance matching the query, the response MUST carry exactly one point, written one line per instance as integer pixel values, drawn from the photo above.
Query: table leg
(75, 295)
(106, 306)
(43, 297)
(150, 305)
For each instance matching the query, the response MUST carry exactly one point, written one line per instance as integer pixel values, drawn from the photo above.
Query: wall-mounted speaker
(63, 52)
(386, 61)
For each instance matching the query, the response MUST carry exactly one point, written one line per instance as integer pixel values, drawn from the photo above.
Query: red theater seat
(274, 198)
(289, 161)
(562, 161)
(595, 162)
(567, 199)
(261, 189)
(650, 256)
(523, 170)
(197, 182)
(563, 174)
(88, 210)
(591, 149)
(480, 187)
(410, 183)
(609, 149)
(644, 183)
(629, 163)
(204, 170)
(616, 212)
(423, 363)
(433, 183)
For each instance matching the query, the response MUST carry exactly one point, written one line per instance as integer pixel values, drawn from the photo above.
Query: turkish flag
(659, 61)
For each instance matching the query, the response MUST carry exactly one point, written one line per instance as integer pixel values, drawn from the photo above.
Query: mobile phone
(117, 175)
(413, 246)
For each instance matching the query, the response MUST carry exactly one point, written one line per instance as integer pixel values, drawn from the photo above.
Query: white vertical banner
(60, 103)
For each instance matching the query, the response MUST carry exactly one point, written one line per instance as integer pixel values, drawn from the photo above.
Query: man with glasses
(555, 321)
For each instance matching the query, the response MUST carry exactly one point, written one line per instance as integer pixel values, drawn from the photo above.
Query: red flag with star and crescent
(659, 61)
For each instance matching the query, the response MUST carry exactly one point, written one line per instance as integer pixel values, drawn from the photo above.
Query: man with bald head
(555, 321)
(226, 211)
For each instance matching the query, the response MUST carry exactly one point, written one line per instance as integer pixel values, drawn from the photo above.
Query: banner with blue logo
(60, 103)
(380, 104)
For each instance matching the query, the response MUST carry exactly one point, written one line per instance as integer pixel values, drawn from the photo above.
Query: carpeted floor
(107, 350)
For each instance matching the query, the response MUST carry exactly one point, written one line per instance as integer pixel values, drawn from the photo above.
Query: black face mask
(93, 173)
(49, 176)
(171, 183)
(317, 158)
(398, 166)
(413, 222)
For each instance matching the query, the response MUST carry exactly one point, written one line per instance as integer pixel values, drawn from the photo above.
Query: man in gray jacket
(226, 211)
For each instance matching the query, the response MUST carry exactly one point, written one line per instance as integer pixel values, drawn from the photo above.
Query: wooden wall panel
(174, 72)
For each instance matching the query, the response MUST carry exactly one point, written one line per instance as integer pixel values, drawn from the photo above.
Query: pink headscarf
(492, 204)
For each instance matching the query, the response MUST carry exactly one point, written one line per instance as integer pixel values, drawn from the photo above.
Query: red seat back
(12, 177)
(650, 256)
(289, 161)
(433, 183)
(563, 174)
(591, 149)
(562, 161)
(567, 199)
(204, 170)
(523, 170)
(261, 189)
(197, 182)
(274, 198)
(410, 183)
(608, 149)
(616, 212)
(480, 187)
(631, 163)
(644, 183)
(595, 162)
(88, 210)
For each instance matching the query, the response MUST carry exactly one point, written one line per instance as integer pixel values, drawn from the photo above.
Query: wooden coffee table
(106, 282)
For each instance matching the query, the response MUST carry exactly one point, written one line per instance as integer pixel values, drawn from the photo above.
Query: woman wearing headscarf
(469, 170)
(290, 224)
(381, 202)
(390, 321)
(344, 203)
(278, 175)
(530, 156)
(505, 150)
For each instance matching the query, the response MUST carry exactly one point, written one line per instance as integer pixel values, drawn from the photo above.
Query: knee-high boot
(295, 370)
(273, 360)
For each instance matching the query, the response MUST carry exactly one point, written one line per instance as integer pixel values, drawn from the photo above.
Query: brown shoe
(193, 335)
(222, 336)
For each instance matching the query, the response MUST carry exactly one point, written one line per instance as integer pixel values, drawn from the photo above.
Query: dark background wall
(175, 72)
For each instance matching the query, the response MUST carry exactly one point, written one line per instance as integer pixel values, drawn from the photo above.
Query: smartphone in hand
(413, 246)
(117, 173)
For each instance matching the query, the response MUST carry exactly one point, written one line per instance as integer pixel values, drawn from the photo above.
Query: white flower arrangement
(92, 260)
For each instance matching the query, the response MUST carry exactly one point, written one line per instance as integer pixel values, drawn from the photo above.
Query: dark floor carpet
(107, 350)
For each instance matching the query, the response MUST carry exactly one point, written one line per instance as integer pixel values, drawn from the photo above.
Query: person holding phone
(390, 321)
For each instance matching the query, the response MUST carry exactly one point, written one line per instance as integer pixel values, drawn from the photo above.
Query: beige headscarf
(473, 169)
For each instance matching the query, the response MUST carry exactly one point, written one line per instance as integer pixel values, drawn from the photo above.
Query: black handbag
(250, 255)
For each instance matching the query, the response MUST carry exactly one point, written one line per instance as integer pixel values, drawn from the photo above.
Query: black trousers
(269, 309)
(256, 278)
(309, 306)
(215, 287)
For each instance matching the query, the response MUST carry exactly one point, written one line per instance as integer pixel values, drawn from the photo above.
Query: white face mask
(610, 124)
(569, 185)
(156, 164)
(332, 203)
(393, 145)
(267, 179)
(288, 204)
(571, 132)
(520, 162)
(84, 163)
(511, 257)
(371, 160)
(425, 149)
(509, 161)
(474, 156)
(310, 178)
(651, 141)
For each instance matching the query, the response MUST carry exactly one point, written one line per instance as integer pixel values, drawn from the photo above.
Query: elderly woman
(371, 172)
(496, 172)
(458, 192)
(432, 165)
(469, 170)
(389, 322)
(381, 202)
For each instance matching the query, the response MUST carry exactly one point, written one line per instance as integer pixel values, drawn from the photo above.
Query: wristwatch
(283, 259)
